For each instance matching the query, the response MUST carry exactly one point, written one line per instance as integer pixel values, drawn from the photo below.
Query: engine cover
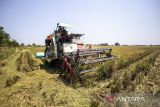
(69, 47)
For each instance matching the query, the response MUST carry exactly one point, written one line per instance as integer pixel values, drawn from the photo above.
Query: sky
(128, 22)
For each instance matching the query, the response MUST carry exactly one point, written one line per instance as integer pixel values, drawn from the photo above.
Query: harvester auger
(69, 53)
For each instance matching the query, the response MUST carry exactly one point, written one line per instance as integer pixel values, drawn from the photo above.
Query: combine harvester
(69, 53)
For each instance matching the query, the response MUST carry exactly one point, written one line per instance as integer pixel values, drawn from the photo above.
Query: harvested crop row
(26, 62)
(126, 61)
(133, 75)
(106, 69)
(127, 79)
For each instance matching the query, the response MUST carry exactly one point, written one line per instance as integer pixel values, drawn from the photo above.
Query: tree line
(5, 39)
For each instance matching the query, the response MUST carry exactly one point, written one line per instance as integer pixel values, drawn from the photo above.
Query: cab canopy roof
(64, 25)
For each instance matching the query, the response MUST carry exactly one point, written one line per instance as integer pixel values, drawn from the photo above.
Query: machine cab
(64, 43)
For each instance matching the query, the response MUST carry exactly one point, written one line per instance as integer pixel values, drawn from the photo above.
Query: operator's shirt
(48, 42)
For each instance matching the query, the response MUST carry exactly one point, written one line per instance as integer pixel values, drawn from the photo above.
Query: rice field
(136, 69)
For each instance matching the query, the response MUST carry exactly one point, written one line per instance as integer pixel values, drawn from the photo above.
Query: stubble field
(136, 69)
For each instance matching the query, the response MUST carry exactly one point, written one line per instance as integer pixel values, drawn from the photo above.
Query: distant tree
(5, 39)
(117, 44)
(22, 44)
(29, 45)
(14, 43)
(104, 44)
(2, 36)
(6, 42)
(33, 44)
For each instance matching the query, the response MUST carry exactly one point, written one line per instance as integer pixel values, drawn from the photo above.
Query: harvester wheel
(46, 63)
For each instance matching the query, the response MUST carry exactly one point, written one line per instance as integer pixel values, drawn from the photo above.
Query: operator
(47, 44)
(90, 46)
(64, 35)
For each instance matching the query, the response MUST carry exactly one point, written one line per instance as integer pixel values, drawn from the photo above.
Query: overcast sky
(102, 21)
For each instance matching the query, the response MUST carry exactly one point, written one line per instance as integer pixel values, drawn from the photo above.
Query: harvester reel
(69, 67)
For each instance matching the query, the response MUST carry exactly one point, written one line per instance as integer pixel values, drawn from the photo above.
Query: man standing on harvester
(47, 44)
